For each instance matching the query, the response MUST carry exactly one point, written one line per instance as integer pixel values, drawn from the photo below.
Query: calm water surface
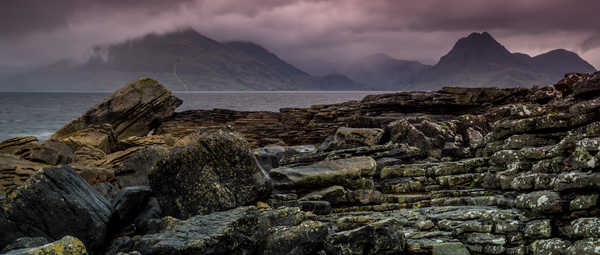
(42, 113)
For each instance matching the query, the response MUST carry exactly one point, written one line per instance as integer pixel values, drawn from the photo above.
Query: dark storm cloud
(22, 17)
(302, 31)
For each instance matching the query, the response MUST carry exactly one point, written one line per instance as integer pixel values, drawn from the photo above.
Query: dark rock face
(26, 242)
(128, 204)
(216, 174)
(68, 245)
(56, 202)
(381, 237)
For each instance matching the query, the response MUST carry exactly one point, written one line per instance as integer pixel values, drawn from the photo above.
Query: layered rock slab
(133, 110)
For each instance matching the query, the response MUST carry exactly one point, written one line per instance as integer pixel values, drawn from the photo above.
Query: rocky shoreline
(454, 171)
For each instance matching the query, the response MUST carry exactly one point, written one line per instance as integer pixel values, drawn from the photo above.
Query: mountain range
(187, 60)
(182, 60)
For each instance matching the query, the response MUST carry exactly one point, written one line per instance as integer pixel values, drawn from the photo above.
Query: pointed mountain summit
(477, 49)
(478, 60)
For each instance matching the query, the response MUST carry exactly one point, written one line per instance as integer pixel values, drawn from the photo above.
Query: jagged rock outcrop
(216, 173)
(133, 110)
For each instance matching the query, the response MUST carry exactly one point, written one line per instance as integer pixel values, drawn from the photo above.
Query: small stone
(262, 205)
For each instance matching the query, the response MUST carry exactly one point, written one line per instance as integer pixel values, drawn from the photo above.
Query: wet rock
(550, 246)
(94, 175)
(132, 166)
(538, 229)
(334, 195)
(25, 242)
(316, 207)
(243, 230)
(133, 110)
(10, 230)
(119, 246)
(57, 201)
(586, 227)
(583, 202)
(15, 171)
(53, 153)
(346, 138)
(588, 86)
(217, 174)
(306, 238)
(588, 246)
(128, 204)
(68, 245)
(485, 239)
(269, 156)
(449, 249)
(19, 146)
(344, 172)
(143, 220)
(212, 234)
(90, 143)
(576, 181)
(540, 202)
(381, 237)
(402, 131)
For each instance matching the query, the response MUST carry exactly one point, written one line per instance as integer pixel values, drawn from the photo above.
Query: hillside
(182, 60)
(383, 72)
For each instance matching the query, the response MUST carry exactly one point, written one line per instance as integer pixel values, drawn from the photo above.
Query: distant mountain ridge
(187, 60)
(477, 60)
(182, 60)
(383, 72)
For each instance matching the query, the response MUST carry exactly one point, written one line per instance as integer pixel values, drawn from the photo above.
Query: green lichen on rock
(68, 245)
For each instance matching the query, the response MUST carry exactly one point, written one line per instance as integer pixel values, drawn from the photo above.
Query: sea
(40, 114)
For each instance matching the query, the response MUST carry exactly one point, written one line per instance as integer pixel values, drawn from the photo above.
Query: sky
(315, 35)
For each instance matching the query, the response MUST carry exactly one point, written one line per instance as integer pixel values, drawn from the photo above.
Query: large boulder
(132, 110)
(56, 202)
(217, 173)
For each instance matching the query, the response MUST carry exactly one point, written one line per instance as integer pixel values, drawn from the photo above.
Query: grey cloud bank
(313, 34)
